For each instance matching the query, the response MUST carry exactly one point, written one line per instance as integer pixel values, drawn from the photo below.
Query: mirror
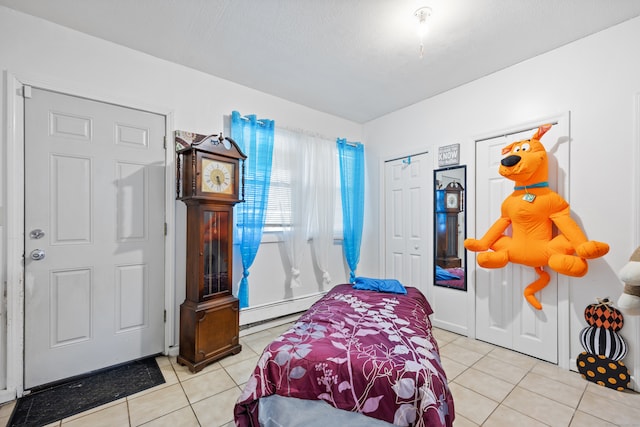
(450, 227)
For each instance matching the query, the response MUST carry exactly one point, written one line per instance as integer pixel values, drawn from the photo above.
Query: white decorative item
(629, 301)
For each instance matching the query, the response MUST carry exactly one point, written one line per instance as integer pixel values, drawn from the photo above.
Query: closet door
(503, 317)
(408, 235)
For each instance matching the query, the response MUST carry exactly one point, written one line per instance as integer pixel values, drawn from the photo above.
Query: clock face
(452, 201)
(217, 176)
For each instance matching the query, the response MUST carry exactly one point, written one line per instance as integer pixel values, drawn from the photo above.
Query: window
(279, 202)
(319, 161)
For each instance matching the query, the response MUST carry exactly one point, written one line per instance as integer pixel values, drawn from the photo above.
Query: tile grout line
(579, 402)
(514, 387)
(185, 393)
(501, 403)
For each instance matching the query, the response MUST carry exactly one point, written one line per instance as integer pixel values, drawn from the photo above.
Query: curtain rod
(512, 133)
(314, 134)
(352, 144)
(309, 133)
(406, 157)
(260, 122)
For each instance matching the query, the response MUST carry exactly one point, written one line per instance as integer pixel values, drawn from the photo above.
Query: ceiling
(356, 59)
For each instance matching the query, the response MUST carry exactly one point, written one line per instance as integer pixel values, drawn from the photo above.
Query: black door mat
(81, 394)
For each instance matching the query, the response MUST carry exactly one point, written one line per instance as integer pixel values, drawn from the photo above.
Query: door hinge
(165, 316)
(26, 91)
(165, 142)
(165, 229)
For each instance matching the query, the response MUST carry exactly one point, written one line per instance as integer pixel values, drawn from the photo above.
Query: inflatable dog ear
(629, 301)
(532, 210)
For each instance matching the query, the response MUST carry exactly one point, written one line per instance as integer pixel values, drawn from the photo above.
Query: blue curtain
(255, 139)
(351, 156)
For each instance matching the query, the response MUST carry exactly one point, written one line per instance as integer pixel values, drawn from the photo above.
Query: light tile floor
(491, 387)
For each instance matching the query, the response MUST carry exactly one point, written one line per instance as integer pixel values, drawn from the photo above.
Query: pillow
(442, 274)
(379, 285)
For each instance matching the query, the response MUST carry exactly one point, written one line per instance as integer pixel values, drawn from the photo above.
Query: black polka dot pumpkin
(605, 342)
(604, 315)
(603, 371)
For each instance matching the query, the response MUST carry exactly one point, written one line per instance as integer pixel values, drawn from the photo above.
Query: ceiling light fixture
(422, 14)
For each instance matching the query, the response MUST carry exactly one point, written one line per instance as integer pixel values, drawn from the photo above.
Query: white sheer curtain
(321, 230)
(312, 164)
(296, 157)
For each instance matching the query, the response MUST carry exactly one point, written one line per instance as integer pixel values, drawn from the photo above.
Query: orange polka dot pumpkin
(603, 371)
(603, 315)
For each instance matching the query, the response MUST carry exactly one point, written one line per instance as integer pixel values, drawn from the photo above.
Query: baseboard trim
(451, 327)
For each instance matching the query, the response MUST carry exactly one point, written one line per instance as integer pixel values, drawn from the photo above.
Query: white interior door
(503, 317)
(407, 220)
(94, 209)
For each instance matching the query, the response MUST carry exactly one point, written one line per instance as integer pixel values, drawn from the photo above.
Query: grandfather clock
(208, 183)
(449, 204)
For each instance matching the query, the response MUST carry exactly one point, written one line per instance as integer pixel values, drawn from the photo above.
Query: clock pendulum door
(216, 277)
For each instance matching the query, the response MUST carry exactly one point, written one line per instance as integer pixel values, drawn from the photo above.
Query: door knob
(36, 234)
(37, 254)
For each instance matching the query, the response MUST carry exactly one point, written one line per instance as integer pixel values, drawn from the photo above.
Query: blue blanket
(442, 274)
(379, 285)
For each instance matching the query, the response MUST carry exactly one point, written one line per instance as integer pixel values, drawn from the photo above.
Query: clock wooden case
(447, 225)
(208, 182)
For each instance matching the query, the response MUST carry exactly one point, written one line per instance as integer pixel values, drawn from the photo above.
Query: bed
(370, 355)
(450, 277)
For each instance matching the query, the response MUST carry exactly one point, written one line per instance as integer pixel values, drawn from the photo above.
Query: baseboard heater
(284, 318)
(251, 318)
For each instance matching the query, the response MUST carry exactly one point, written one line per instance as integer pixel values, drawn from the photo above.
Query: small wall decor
(449, 155)
(601, 363)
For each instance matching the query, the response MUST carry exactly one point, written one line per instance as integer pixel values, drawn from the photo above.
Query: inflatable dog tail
(532, 288)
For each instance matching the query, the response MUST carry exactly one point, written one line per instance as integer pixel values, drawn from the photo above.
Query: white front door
(503, 317)
(408, 220)
(94, 215)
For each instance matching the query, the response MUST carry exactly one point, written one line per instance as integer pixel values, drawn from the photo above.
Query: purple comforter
(360, 351)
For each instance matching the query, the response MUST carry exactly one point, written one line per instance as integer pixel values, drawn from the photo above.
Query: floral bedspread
(361, 351)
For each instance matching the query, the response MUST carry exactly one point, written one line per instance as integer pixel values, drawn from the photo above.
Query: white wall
(47, 55)
(597, 79)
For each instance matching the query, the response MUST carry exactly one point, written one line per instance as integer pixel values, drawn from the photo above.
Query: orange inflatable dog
(531, 210)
